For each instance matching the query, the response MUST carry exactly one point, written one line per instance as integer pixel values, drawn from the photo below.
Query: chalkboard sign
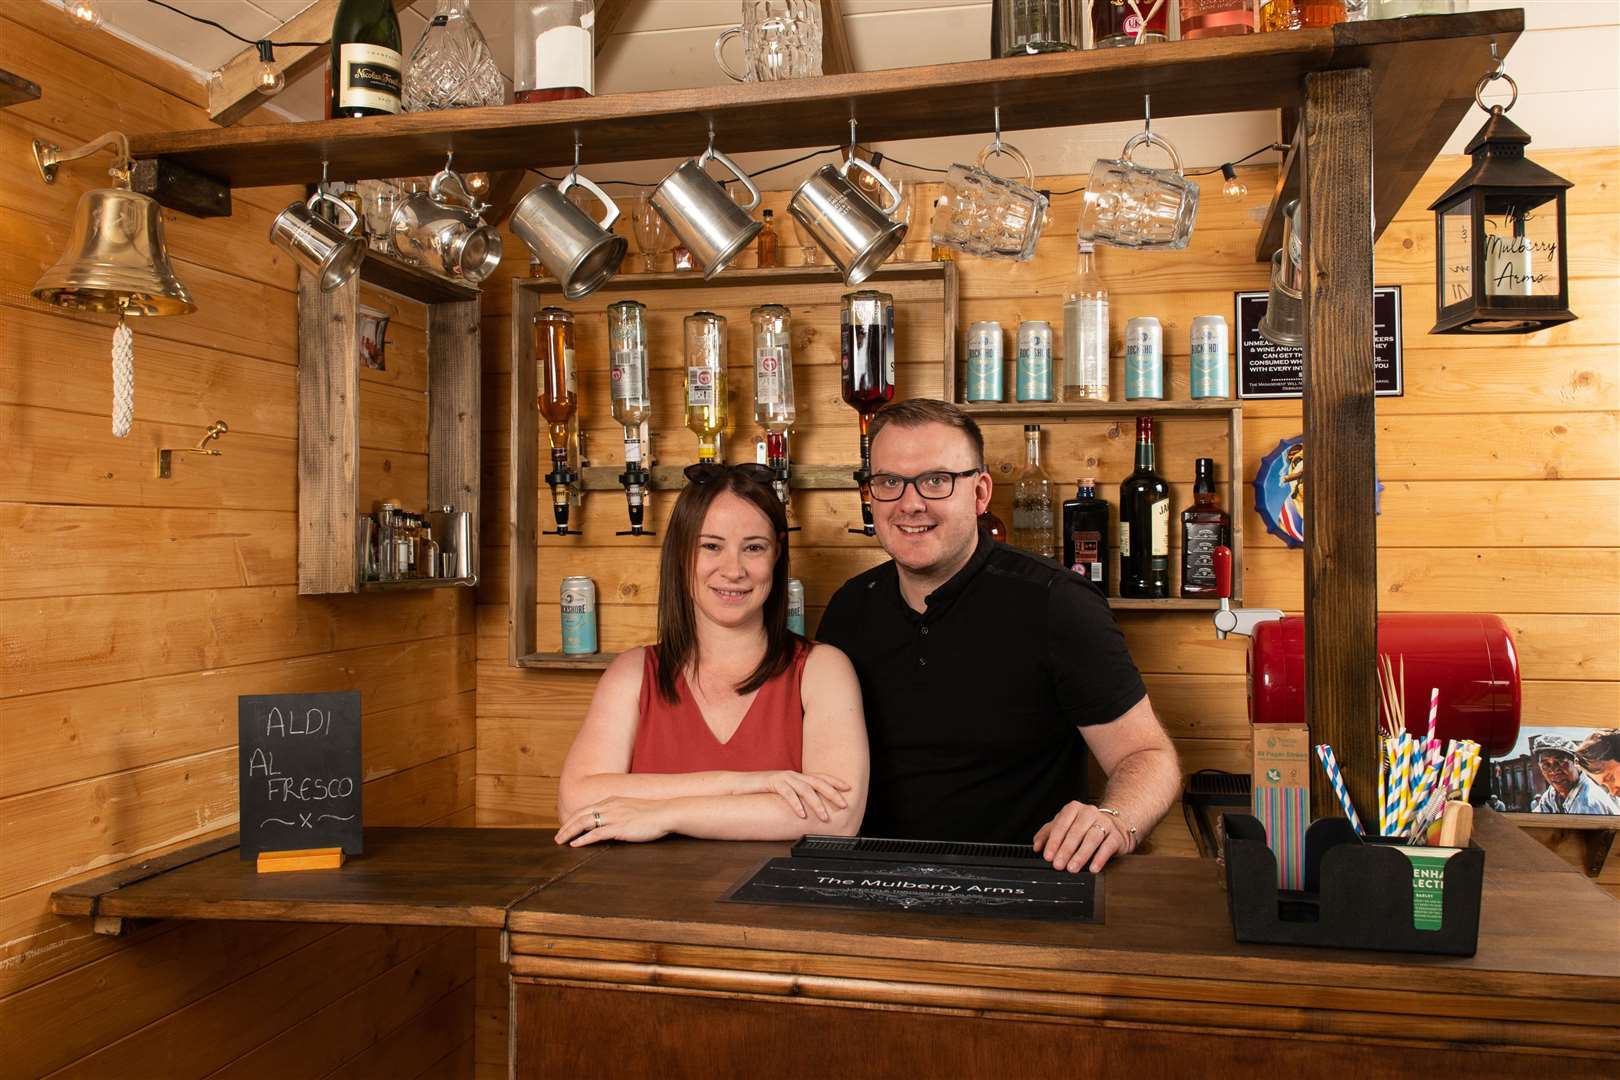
(1268, 370)
(298, 763)
(997, 891)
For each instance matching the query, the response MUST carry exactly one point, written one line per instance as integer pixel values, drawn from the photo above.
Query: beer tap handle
(1229, 620)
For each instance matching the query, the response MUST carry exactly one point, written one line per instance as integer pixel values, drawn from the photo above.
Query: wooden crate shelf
(926, 282)
(1423, 69)
(1032, 411)
(329, 512)
(418, 583)
(556, 661)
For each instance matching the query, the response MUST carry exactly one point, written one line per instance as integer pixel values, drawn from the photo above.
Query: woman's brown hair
(677, 615)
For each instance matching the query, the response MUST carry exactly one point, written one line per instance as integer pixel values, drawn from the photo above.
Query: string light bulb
(1233, 188)
(268, 79)
(477, 184)
(86, 15)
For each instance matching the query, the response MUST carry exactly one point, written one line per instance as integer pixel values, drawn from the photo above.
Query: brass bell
(116, 262)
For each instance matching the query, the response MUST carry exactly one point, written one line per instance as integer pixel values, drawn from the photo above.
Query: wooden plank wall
(133, 611)
(1500, 465)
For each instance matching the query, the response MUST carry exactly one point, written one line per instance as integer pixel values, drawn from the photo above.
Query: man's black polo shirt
(973, 707)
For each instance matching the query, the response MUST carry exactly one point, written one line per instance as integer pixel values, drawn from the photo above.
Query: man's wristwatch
(1119, 822)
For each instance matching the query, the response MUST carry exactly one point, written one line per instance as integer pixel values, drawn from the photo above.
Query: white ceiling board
(194, 43)
(1562, 120)
(1545, 14)
(934, 35)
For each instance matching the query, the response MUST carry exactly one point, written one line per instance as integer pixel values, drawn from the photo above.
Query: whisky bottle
(1204, 527)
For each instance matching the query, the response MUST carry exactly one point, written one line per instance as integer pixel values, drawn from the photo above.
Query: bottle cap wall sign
(1279, 491)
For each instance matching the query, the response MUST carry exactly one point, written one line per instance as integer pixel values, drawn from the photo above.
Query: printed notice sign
(298, 763)
(997, 891)
(1268, 370)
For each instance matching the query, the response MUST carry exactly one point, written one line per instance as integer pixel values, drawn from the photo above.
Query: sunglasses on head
(704, 472)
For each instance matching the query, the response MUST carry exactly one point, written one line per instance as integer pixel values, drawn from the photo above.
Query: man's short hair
(1600, 746)
(915, 412)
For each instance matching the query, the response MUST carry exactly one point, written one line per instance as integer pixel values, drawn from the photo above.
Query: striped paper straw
(1470, 767)
(1383, 794)
(1403, 777)
(1324, 752)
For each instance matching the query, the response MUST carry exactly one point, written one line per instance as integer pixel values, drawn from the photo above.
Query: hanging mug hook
(995, 147)
(1498, 71)
(1147, 114)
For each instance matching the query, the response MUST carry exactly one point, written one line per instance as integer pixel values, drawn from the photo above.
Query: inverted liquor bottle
(1085, 534)
(705, 336)
(1032, 500)
(559, 401)
(1204, 527)
(773, 387)
(866, 359)
(632, 403)
(364, 74)
(1144, 524)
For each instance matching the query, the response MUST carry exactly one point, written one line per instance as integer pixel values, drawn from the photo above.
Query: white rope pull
(123, 365)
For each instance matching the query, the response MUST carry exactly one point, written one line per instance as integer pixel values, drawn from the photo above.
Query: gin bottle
(1032, 500)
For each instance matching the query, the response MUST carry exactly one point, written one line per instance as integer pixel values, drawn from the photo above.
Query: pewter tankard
(706, 219)
(581, 252)
(854, 232)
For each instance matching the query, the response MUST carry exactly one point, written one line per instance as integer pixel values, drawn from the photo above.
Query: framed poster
(1268, 370)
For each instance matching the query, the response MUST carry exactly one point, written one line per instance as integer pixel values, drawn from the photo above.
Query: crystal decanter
(452, 67)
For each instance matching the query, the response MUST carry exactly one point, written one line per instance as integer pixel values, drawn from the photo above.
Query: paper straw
(1470, 767)
(1403, 792)
(1383, 791)
(1324, 752)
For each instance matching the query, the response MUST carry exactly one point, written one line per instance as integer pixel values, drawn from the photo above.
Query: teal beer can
(578, 616)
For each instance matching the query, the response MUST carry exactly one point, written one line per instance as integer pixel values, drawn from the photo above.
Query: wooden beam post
(455, 387)
(523, 492)
(835, 55)
(1341, 555)
(328, 436)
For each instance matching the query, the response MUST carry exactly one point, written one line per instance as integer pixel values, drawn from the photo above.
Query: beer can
(578, 616)
(1211, 342)
(1034, 360)
(795, 607)
(984, 359)
(1144, 359)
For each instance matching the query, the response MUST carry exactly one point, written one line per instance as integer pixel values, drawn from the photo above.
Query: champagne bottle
(363, 78)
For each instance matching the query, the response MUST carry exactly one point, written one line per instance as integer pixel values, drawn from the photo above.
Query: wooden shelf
(805, 275)
(673, 478)
(16, 90)
(1034, 411)
(1423, 70)
(930, 283)
(556, 661)
(413, 282)
(1174, 603)
(418, 583)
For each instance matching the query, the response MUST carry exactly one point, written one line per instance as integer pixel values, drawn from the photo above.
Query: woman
(731, 727)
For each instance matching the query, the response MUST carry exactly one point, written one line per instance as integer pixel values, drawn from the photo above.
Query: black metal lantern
(1501, 263)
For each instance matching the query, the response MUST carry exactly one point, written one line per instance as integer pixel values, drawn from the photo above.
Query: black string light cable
(270, 78)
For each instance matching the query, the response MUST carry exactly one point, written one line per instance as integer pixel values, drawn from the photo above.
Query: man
(1599, 755)
(987, 671)
(1569, 790)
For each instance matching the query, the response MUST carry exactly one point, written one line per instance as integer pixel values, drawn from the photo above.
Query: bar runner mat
(919, 885)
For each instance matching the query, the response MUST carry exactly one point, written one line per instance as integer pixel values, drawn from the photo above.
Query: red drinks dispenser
(1469, 656)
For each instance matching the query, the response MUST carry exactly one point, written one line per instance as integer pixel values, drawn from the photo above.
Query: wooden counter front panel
(564, 1030)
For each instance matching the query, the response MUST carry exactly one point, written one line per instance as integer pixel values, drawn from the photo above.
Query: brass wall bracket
(215, 430)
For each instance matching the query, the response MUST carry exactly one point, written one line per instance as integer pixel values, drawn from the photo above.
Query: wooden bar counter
(626, 962)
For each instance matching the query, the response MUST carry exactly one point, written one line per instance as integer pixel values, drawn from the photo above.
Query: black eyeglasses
(935, 484)
(704, 472)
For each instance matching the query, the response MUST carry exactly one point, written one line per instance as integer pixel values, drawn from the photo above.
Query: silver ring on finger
(596, 816)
